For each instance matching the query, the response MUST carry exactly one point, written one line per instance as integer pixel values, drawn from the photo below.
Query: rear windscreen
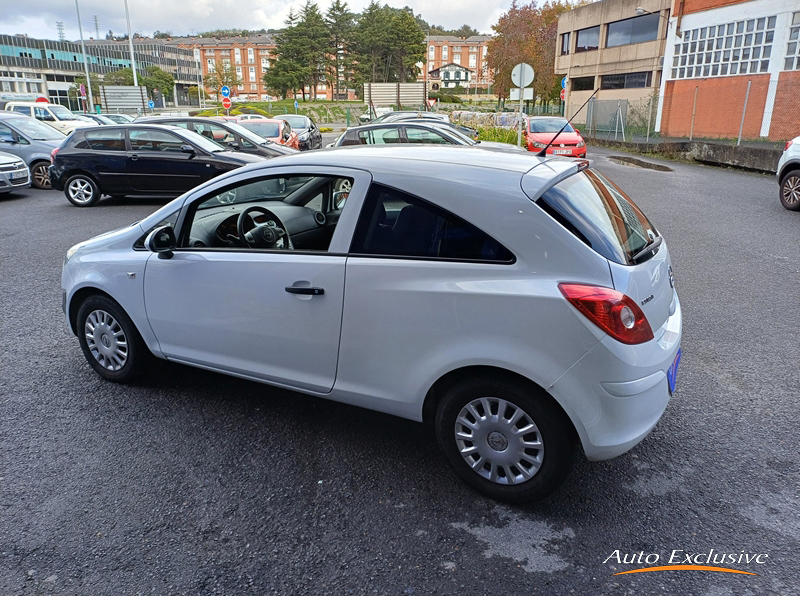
(600, 214)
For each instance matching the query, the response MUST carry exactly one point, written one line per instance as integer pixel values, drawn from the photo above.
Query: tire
(110, 341)
(40, 176)
(81, 191)
(492, 409)
(790, 191)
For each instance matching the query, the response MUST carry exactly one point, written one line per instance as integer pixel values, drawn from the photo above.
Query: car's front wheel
(110, 341)
(82, 191)
(40, 176)
(790, 191)
(505, 439)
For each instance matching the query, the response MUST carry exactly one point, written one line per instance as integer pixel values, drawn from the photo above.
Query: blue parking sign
(295, 104)
(225, 91)
(151, 104)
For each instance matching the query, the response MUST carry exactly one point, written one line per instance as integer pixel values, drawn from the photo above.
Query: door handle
(134, 158)
(306, 291)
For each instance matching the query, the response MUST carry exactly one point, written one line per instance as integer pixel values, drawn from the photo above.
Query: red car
(540, 130)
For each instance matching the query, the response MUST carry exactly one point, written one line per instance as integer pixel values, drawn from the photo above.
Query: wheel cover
(106, 340)
(345, 186)
(41, 176)
(499, 440)
(791, 190)
(80, 190)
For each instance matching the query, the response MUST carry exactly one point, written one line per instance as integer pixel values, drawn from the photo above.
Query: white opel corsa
(520, 305)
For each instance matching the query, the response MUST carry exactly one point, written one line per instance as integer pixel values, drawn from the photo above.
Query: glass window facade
(587, 39)
(635, 30)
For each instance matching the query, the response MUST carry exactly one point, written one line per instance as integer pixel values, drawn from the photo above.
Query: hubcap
(80, 191)
(41, 176)
(106, 340)
(499, 441)
(791, 190)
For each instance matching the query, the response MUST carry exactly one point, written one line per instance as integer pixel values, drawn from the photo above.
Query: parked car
(231, 134)
(398, 115)
(98, 118)
(14, 174)
(540, 130)
(119, 118)
(137, 159)
(428, 117)
(370, 115)
(275, 130)
(520, 305)
(308, 134)
(416, 131)
(53, 114)
(789, 175)
(32, 141)
(242, 117)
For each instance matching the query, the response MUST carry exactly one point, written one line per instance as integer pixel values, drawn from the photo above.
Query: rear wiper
(650, 247)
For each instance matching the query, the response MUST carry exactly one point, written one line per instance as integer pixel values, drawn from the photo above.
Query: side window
(23, 110)
(379, 136)
(214, 132)
(421, 135)
(394, 223)
(6, 134)
(184, 124)
(105, 140)
(245, 144)
(43, 114)
(154, 140)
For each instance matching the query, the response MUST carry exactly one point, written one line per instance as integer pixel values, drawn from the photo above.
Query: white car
(789, 175)
(14, 174)
(521, 305)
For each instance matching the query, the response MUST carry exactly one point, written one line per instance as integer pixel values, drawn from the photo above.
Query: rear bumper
(55, 178)
(617, 393)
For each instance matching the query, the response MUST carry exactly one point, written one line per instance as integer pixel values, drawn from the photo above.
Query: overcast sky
(38, 19)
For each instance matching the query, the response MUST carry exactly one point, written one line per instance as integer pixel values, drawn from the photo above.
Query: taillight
(612, 311)
(788, 144)
(53, 155)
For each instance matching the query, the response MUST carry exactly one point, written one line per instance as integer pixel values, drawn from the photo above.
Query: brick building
(454, 52)
(733, 64)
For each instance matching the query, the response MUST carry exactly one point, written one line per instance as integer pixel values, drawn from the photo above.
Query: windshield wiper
(650, 247)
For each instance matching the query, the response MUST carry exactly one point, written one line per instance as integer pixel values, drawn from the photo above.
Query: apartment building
(733, 66)
(451, 56)
(614, 47)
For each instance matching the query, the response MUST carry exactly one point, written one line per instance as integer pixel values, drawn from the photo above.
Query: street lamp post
(85, 60)
(130, 45)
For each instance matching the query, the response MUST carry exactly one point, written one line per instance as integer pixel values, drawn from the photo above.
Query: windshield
(264, 129)
(33, 129)
(296, 122)
(201, 141)
(247, 134)
(63, 113)
(459, 135)
(550, 125)
(596, 211)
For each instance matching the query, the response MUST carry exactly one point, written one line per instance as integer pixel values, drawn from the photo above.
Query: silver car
(14, 174)
(32, 141)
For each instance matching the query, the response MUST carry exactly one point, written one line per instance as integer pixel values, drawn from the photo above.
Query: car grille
(11, 167)
(19, 181)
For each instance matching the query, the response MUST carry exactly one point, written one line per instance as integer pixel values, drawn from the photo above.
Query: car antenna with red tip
(543, 152)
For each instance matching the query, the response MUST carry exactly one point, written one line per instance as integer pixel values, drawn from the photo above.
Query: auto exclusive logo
(681, 560)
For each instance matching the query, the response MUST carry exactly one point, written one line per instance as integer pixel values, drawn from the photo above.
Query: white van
(53, 114)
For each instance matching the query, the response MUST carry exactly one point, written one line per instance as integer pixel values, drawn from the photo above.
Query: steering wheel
(272, 234)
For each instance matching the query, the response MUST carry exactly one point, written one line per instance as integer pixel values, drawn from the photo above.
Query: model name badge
(648, 299)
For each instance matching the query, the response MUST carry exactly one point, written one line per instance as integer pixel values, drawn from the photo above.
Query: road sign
(225, 91)
(527, 94)
(522, 75)
(431, 103)
(564, 84)
(226, 102)
(295, 104)
(151, 104)
(563, 94)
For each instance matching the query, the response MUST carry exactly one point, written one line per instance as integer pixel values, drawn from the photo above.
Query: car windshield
(296, 122)
(201, 141)
(264, 129)
(454, 132)
(247, 134)
(550, 125)
(33, 129)
(600, 214)
(63, 113)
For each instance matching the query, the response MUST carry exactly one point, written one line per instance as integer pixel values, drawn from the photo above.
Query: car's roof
(4, 115)
(136, 125)
(418, 122)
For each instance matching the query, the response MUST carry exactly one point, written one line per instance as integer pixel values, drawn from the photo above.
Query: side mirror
(339, 199)
(233, 145)
(162, 241)
(188, 149)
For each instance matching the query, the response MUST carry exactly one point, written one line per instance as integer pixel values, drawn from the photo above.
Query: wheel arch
(449, 379)
(789, 167)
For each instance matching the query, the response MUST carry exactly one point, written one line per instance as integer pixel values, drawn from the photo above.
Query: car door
(107, 159)
(261, 313)
(157, 164)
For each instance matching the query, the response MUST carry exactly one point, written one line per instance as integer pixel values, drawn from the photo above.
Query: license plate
(562, 151)
(672, 373)
(22, 174)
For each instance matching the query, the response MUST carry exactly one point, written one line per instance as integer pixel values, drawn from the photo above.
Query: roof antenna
(543, 152)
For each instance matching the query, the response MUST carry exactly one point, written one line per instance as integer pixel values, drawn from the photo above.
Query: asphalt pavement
(195, 483)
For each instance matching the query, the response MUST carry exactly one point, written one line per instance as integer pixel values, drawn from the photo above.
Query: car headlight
(539, 145)
(71, 252)
(580, 144)
(303, 136)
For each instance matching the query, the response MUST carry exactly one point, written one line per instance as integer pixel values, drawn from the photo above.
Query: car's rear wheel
(40, 176)
(82, 191)
(110, 341)
(790, 191)
(505, 439)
